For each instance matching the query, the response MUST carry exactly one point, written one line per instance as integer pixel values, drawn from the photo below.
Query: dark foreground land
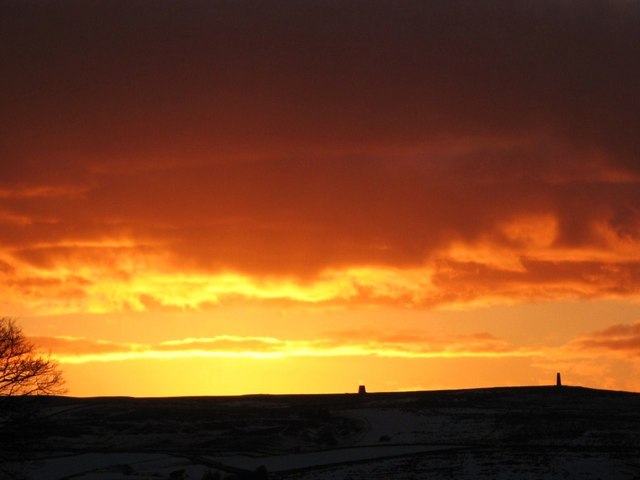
(523, 433)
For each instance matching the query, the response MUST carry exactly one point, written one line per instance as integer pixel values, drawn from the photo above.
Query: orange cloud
(416, 342)
(621, 339)
(312, 152)
(108, 277)
(42, 191)
(64, 345)
(75, 350)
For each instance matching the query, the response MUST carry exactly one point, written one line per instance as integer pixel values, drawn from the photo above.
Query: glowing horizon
(305, 195)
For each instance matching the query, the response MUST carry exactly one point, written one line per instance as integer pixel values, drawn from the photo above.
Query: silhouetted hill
(525, 432)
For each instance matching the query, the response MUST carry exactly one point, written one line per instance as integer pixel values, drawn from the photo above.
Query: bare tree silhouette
(22, 370)
(25, 375)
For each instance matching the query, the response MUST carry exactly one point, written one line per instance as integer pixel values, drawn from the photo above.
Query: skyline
(304, 196)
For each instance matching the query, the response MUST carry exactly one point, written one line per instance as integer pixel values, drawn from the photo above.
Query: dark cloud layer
(291, 136)
(147, 79)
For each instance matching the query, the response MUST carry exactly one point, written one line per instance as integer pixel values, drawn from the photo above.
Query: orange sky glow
(212, 198)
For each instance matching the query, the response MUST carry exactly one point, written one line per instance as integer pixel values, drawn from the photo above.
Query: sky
(301, 196)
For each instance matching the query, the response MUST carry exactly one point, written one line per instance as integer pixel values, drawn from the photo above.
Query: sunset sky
(296, 196)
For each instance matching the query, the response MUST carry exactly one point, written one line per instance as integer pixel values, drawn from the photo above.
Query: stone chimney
(558, 380)
(362, 390)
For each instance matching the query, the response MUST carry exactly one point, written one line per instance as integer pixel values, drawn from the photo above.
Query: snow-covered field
(524, 433)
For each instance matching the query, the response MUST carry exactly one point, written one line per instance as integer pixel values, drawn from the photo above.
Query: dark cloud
(284, 138)
(148, 82)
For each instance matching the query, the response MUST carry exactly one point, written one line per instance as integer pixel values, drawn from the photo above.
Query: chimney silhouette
(362, 390)
(558, 380)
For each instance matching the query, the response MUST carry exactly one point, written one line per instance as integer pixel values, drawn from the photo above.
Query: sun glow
(269, 198)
